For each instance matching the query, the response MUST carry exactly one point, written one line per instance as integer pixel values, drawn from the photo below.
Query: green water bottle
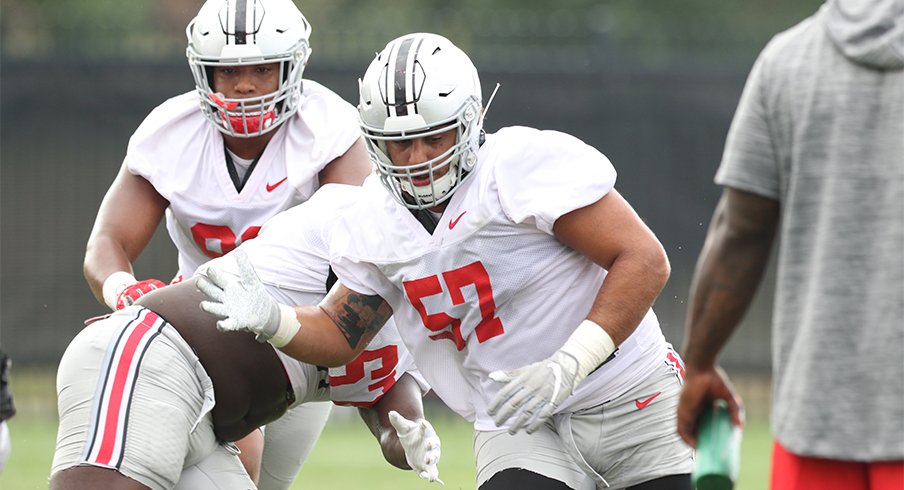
(718, 450)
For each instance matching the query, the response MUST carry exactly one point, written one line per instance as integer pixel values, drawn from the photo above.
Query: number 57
(445, 326)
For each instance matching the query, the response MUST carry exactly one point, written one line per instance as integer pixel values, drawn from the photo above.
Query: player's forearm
(386, 436)
(102, 258)
(729, 270)
(126, 221)
(404, 397)
(319, 341)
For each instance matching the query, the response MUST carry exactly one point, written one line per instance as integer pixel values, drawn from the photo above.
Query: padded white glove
(244, 305)
(533, 392)
(421, 444)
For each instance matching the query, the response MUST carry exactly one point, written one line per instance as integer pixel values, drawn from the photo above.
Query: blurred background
(652, 84)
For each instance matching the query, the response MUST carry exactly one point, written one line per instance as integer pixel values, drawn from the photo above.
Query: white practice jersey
(290, 256)
(492, 288)
(183, 156)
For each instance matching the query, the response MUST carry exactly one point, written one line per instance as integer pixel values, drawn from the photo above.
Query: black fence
(651, 84)
(65, 126)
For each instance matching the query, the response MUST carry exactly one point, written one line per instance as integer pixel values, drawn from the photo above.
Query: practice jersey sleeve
(548, 174)
(749, 161)
(169, 131)
(350, 255)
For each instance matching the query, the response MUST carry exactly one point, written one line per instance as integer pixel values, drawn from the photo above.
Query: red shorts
(793, 472)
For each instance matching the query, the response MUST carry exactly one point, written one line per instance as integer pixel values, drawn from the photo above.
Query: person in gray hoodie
(815, 156)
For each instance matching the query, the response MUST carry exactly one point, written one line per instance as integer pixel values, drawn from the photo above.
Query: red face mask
(242, 123)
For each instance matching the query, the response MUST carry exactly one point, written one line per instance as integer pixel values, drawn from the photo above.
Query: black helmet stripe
(241, 14)
(402, 77)
(400, 80)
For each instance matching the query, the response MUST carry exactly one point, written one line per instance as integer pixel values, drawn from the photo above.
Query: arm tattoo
(358, 316)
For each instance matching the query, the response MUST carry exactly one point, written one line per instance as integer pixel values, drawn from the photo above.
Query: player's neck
(248, 148)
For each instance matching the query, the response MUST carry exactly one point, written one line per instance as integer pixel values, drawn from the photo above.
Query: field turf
(346, 456)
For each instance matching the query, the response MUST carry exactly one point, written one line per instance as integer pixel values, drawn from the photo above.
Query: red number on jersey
(383, 376)
(445, 326)
(206, 235)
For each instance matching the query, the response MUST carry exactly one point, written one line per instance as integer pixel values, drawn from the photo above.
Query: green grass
(346, 456)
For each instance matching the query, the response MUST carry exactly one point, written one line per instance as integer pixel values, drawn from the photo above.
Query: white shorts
(542, 452)
(633, 438)
(132, 396)
(625, 441)
(220, 470)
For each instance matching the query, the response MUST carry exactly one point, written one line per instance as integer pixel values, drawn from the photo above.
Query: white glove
(534, 391)
(421, 444)
(244, 305)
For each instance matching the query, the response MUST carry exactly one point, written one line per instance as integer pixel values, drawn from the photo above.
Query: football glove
(131, 293)
(243, 304)
(121, 289)
(421, 444)
(532, 393)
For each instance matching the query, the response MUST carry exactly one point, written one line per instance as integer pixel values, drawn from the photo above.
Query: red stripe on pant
(117, 393)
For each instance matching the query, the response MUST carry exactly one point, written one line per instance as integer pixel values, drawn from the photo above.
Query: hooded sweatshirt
(820, 128)
(868, 32)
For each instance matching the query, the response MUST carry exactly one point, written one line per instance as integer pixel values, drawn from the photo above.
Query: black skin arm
(404, 397)
(128, 216)
(730, 267)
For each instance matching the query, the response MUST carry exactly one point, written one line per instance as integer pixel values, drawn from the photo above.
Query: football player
(252, 139)
(149, 396)
(520, 279)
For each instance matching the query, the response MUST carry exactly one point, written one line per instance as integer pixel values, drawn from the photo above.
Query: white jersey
(491, 288)
(183, 156)
(290, 256)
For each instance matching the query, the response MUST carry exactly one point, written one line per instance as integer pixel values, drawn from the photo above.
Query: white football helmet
(421, 85)
(248, 32)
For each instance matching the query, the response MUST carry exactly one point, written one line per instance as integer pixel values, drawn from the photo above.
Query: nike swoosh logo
(641, 404)
(454, 222)
(272, 187)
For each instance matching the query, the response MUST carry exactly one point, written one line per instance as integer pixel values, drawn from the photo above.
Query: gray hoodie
(869, 32)
(820, 128)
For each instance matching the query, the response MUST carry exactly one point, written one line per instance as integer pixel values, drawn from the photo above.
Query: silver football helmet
(421, 85)
(248, 32)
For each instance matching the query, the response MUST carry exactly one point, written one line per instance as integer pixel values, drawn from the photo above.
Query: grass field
(346, 456)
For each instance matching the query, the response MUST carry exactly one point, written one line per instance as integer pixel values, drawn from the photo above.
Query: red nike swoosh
(271, 187)
(643, 403)
(454, 222)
